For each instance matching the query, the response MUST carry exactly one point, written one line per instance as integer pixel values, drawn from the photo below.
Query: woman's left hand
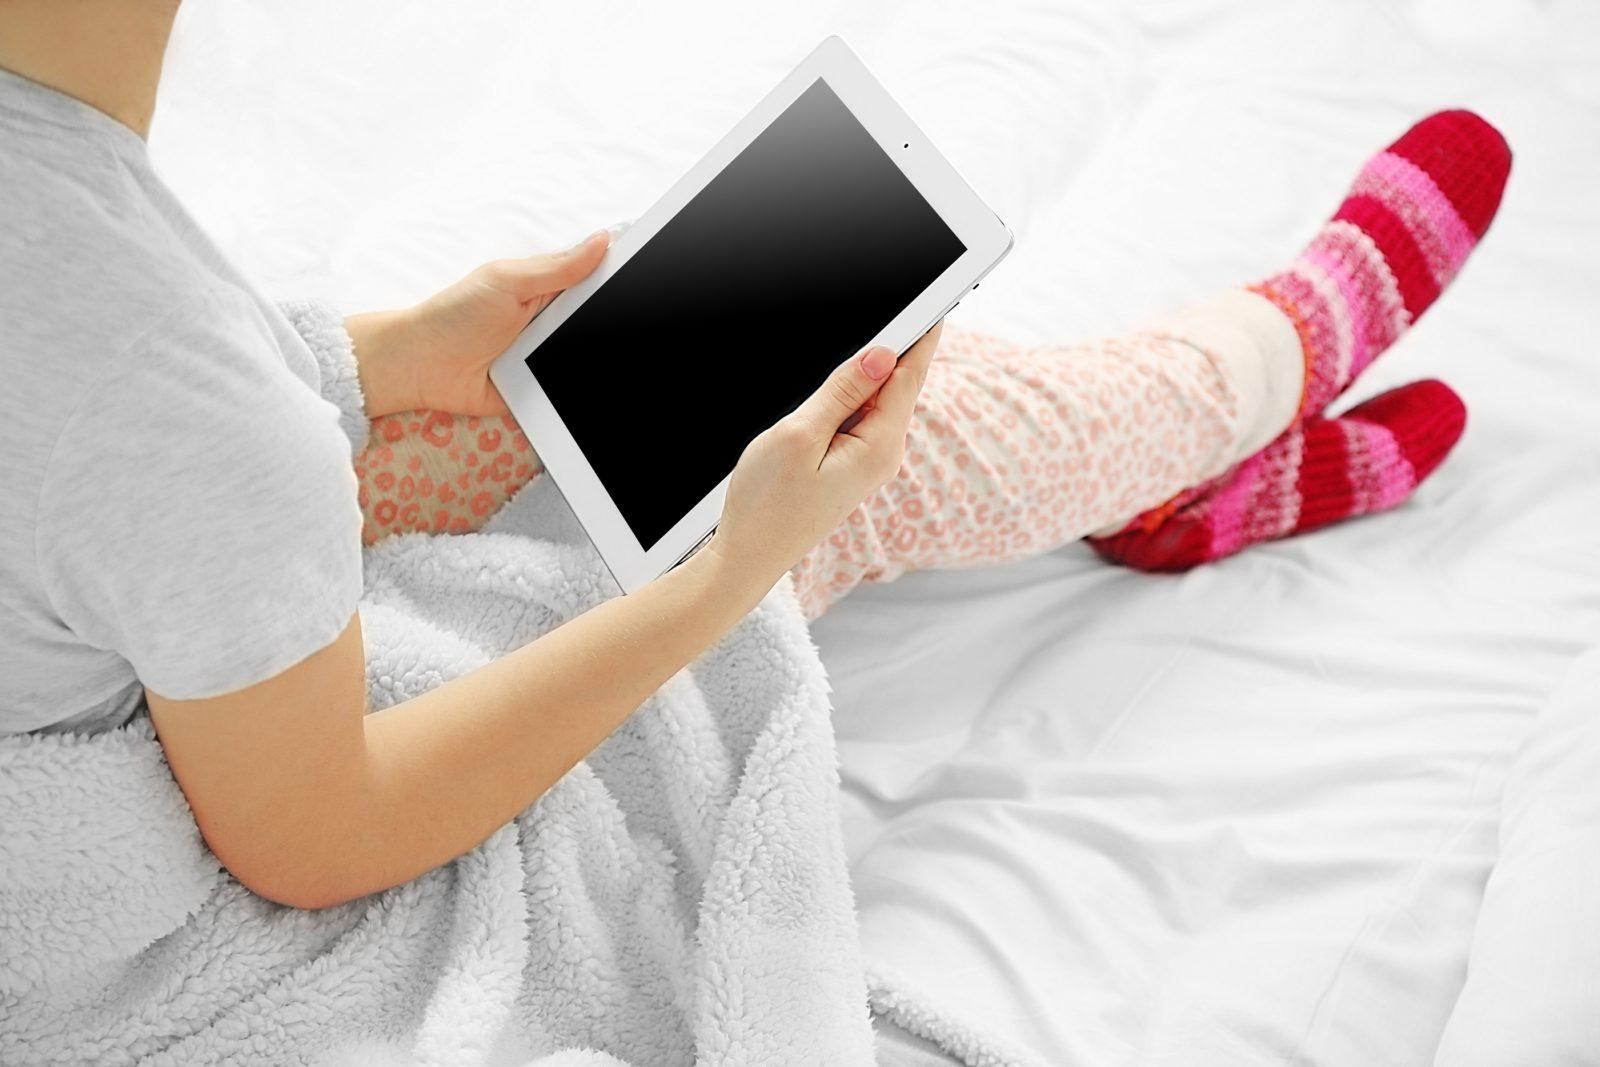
(436, 355)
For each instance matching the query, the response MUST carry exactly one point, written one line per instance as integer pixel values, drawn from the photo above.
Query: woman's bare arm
(311, 802)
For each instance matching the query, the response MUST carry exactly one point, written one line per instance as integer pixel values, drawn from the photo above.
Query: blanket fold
(681, 896)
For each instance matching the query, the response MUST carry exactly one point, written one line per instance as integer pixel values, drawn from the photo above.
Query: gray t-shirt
(177, 501)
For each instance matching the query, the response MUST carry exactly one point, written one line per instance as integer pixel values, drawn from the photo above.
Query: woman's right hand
(798, 480)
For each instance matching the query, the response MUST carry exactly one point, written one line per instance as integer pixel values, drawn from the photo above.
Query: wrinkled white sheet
(1243, 816)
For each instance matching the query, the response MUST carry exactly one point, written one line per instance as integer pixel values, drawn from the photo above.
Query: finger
(531, 277)
(852, 384)
(891, 412)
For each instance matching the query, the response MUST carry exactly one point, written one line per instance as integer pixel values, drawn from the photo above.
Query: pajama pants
(1013, 450)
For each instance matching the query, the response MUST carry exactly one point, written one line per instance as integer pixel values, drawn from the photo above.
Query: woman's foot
(1414, 214)
(1320, 472)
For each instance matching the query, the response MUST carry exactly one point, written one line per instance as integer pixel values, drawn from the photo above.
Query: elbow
(283, 884)
(295, 891)
(300, 897)
(292, 878)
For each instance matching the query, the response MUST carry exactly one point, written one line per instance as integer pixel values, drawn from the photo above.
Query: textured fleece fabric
(681, 896)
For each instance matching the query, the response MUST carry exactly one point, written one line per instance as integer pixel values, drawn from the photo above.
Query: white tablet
(824, 222)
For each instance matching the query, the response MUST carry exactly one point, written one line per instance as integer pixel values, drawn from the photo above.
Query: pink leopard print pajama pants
(1014, 450)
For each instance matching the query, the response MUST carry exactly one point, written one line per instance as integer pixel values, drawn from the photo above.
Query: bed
(1240, 816)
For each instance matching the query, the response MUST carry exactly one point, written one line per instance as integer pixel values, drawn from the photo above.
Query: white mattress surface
(1241, 816)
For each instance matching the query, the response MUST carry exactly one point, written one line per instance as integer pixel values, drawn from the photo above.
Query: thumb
(852, 384)
(531, 277)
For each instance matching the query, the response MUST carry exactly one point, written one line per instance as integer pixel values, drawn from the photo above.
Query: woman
(164, 549)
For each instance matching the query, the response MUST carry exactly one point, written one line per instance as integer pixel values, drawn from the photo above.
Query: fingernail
(617, 229)
(876, 363)
(584, 243)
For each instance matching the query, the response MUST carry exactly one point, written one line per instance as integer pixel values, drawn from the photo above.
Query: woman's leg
(1014, 449)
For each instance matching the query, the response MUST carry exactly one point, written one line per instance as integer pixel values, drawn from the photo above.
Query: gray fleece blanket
(680, 897)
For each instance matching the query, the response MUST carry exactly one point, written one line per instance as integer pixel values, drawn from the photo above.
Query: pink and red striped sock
(1414, 214)
(1319, 472)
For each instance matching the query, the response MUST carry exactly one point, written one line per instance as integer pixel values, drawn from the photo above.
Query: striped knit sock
(1416, 211)
(1319, 472)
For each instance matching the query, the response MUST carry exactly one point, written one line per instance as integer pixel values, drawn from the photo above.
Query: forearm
(438, 774)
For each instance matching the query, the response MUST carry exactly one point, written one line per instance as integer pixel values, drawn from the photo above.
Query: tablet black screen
(789, 260)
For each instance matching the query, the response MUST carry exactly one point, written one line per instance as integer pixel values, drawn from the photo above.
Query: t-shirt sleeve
(198, 514)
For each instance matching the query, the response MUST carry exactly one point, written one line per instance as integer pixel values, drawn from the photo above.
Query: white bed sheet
(1241, 816)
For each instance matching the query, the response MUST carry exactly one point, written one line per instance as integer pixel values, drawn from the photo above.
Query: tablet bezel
(987, 240)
